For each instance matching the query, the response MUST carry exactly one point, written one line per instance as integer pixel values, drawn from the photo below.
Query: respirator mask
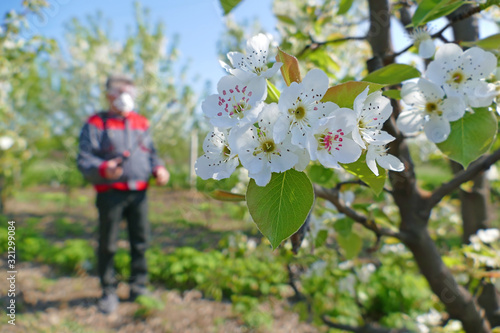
(124, 102)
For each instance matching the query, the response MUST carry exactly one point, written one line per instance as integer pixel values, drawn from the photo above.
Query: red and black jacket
(106, 136)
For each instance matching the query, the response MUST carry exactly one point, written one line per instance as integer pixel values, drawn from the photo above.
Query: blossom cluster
(275, 137)
(454, 82)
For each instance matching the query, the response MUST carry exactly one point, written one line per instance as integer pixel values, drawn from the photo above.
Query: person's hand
(113, 169)
(162, 176)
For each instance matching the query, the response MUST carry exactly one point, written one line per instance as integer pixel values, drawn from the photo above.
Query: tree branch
(357, 182)
(315, 44)
(332, 195)
(439, 34)
(473, 170)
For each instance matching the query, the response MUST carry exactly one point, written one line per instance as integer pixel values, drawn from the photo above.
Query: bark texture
(414, 205)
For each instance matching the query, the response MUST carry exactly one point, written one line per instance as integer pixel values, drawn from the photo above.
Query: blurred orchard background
(211, 270)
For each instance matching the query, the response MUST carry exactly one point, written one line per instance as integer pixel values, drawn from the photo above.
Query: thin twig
(357, 182)
(463, 176)
(315, 44)
(439, 34)
(332, 195)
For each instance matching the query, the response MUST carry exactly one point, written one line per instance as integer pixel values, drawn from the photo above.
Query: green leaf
(361, 170)
(351, 244)
(226, 195)
(429, 10)
(470, 137)
(344, 94)
(392, 74)
(273, 94)
(321, 238)
(228, 5)
(321, 58)
(393, 93)
(280, 208)
(319, 174)
(488, 43)
(285, 19)
(344, 6)
(290, 69)
(343, 226)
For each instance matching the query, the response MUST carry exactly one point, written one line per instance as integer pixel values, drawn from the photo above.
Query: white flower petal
(411, 94)
(359, 100)
(376, 109)
(215, 163)
(371, 156)
(410, 122)
(380, 138)
(356, 136)
(447, 58)
(449, 51)
(349, 153)
(482, 95)
(281, 129)
(478, 63)
(235, 102)
(207, 166)
(315, 83)
(261, 178)
(242, 75)
(431, 91)
(437, 129)
(303, 159)
(273, 70)
(285, 161)
(258, 44)
(453, 108)
(327, 160)
(426, 48)
(289, 96)
(390, 162)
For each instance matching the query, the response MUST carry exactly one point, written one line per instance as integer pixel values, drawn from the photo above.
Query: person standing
(117, 155)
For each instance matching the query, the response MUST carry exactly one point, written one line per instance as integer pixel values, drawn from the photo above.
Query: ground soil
(50, 302)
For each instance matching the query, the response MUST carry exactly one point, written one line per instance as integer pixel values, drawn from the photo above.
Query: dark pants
(113, 206)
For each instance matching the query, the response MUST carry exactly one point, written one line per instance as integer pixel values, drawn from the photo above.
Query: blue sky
(199, 24)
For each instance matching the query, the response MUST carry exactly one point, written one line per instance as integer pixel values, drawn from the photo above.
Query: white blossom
(462, 73)
(252, 66)
(259, 152)
(6, 142)
(377, 154)
(365, 272)
(433, 317)
(236, 103)
(218, 161)
(488, 235)
(429, 109)
(371, 112)
(423, 42)
(332, 144)
(300, 108)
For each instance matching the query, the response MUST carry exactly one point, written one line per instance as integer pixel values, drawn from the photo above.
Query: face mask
(124, 102)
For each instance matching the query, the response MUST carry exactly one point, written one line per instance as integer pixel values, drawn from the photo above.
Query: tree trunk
(476, 213)
(412, 203)
(475, 202)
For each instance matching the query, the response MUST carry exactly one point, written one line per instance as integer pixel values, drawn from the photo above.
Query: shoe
(108, 303)
(138, 291)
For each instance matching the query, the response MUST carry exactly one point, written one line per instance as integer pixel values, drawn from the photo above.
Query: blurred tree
(48, 91)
